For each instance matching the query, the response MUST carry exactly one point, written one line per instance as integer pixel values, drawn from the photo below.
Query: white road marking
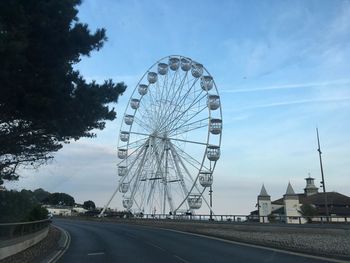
(154, 245)
(181, 259)
(96, 254)
(66, 245)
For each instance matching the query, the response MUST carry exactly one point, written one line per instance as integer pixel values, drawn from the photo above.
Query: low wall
(15, 245)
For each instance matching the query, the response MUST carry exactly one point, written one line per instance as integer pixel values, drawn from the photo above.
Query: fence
(14, 230)
(249, 218)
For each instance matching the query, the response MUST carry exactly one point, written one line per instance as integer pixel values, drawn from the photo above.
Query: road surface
(93, 241)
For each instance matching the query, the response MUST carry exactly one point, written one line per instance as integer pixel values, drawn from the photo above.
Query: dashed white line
(154, 245)
(96, 254)
(181, 259)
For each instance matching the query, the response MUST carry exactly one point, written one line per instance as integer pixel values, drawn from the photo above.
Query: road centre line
(181, 259)
(154, 245)
(96, 254)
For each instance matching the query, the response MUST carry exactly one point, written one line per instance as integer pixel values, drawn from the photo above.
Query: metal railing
(248, 218)
(13, 230)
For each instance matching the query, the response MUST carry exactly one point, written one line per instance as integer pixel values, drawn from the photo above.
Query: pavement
(111, 242)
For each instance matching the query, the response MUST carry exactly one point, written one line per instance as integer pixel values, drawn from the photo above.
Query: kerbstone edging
(63, 245)
(16, 245)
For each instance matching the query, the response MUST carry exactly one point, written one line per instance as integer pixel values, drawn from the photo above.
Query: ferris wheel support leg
(209, 205)
(121, 181)
(184, 189)
(109, 201)
(159, 168)
(194, 183)
(168, 196)
(138, 171)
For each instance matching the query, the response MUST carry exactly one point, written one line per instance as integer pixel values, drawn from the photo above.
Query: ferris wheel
(169, 140)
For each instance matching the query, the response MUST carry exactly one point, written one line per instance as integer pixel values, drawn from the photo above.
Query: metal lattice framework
(169, 140)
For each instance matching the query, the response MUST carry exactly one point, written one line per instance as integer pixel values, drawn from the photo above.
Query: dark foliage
(16, 206)
(44, 102)
(59, 199)
(89, 205)
(40, 194)
(37, 213)
(308, 211)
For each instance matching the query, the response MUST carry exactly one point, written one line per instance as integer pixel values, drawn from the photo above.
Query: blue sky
(281, 67)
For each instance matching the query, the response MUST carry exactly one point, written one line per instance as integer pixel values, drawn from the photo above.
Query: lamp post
(211, 202)
(322, 174)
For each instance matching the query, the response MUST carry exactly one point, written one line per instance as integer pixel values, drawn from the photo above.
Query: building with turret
(264, 204)
(287, 208)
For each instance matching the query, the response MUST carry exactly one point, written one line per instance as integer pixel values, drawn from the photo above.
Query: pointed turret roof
(263, 191)
(290, 190)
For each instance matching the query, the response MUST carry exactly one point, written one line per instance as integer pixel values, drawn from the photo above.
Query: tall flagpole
(322, 174)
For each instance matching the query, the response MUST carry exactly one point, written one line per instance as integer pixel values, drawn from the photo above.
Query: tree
(272, 218)
(59, 199)
(308, 211)
(44, 101)
(37, 213)
(16, 206)
(40, 194)
(89, 205)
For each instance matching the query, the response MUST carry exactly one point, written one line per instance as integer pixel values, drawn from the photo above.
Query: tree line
(26, 205)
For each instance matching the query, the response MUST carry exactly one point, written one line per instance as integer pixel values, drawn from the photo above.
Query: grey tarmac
(93, 241)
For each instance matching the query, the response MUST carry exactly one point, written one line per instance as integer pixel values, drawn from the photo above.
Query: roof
(263, 191)
(338, 204)
(290, 190)
(333, 198)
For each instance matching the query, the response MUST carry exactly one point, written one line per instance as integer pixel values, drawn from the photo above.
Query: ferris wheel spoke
(175, 92)
(137, 150)
(188, 157)
(147, 111)
(170, 93)
(181, 114)
(171, 103)
(142, 123)
(136, 143)
(194, 182)
(197, 100)
(193, 186)
(187, 141)
(157, 111)
(178, 161)
(180, 125)
(178, 105)
(180, 101)
(186, 127)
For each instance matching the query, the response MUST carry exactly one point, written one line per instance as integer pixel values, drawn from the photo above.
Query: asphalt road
(111, 242)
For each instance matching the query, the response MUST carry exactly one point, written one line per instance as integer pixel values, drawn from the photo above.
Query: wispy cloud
(291, 86)
(295, 102)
